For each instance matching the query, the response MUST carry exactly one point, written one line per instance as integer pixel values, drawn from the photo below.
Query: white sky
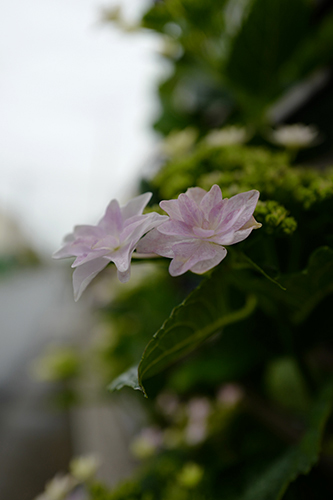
(76, 103)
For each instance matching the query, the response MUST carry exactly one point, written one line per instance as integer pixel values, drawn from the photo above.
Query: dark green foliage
(237, 58)
(298, 460)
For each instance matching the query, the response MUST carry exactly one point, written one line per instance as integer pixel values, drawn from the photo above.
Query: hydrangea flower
(113, 239)
(200, 224)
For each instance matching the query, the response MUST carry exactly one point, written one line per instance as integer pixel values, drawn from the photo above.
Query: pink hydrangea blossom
(113, 239)
(200, 224)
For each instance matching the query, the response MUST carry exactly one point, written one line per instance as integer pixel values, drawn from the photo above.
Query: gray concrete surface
(36, 440)
(36, 307)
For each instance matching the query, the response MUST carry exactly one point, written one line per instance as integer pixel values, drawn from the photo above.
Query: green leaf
(307, 289)
(249, 263)
(304, 290)
(273, 483)
(126, 379)
(203, 313)
(268, 38)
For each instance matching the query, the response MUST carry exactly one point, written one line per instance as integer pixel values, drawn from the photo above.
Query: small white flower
(84, 468)
(179, 142)
(58, 488)
(198, 411)
(297, 136)
(230, 395)
(147, 442)
(227, 136)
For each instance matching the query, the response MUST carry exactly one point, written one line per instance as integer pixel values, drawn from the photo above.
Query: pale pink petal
(88, 231)
(75, 248)
(122, 257)
(176, 228)
(82, 246)
(251, 223)
(132, 220)
(231, 237)
(153, 220)
(112, 221)
(133, 226)
(196, 194)
(171, 207)
(87, 257)
(189, 210)
(211, 199)
(148, 222)
(135, 206)
(203, 233)
(65, 251)
(109, 242)
(217, 213)
(157, 243)
(205, 265)
(239, 210)
(124, 276)
(188, 254)
(84, 274)
(73, 243)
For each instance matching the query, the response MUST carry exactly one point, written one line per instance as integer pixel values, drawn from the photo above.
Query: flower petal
(203, 233)
(205, 265)
(238, 211)
(211, 199)
(107, 243)
(134, 232)
(176, 228)
(160, 244)
(74, 244)
(88, 231)
(251, 223)
(230, 238)
(112, 221)
(171, 207)
(122, 257)
(88, 256)
(189, 210)
(65, 251)
(196, 194)
(124, 276)
(84, 274)
(135, 206)
(216, 215)
(188, 254)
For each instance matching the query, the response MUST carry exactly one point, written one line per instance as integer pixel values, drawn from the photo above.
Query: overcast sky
(77, 99)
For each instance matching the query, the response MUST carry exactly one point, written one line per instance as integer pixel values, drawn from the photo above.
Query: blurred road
(36, 307)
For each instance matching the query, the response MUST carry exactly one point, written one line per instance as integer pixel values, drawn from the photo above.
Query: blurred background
(89, 88)
(76, 104)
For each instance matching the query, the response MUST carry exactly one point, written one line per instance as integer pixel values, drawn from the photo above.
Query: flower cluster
(198, 226)
(113, 240)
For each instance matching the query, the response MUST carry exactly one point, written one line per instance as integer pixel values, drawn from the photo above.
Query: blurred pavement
(36, 307)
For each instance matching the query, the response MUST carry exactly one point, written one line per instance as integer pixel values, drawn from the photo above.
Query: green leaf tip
(126, 379)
